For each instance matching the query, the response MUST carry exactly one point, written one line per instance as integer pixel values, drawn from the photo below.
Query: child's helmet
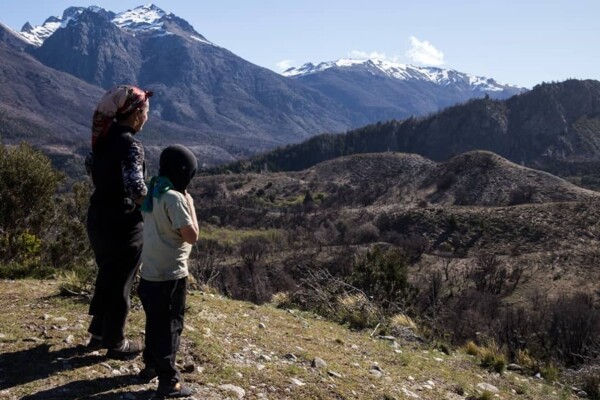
(179, 164)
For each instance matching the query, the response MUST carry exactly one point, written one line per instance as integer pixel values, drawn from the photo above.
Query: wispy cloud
(373, 55)
(284, 64)
(423, 52)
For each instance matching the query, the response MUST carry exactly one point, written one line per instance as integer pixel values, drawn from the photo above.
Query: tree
(28, 184)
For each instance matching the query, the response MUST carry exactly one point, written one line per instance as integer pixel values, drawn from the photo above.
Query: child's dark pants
(164, 305)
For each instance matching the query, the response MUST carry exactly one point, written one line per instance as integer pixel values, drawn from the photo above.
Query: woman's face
(141, 117)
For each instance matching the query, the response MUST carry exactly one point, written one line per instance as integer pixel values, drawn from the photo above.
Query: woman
(114, 221)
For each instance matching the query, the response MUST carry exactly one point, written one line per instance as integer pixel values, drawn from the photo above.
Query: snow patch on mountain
(141, 19)
(148, 19)
(439, 76)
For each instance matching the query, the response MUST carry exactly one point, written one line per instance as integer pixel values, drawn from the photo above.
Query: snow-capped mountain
(205, 94)
(148, 19)
(439, 76)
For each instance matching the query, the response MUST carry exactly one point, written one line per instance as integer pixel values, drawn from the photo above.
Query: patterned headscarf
(120, 101)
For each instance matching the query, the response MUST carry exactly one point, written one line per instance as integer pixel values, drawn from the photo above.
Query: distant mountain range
(554, 127)
(206, 96)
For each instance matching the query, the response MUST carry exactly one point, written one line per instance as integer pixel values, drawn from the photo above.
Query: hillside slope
(555, 127)
(234, 349)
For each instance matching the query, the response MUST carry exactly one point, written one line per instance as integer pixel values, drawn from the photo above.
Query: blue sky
(522, 42)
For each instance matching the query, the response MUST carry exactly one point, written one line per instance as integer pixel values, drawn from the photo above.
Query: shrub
(28, 184)
(492, 358)
(591, 384)
(472, 349)
(550, 372)
(356, 311)
(383, 276)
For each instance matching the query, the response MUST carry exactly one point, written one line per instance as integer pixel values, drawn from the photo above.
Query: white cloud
(367, 55)
(425, 53)
(284, 64)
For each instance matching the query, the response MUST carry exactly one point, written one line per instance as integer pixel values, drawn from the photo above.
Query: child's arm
(189, 233)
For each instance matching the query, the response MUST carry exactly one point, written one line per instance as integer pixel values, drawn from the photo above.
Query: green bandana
(157, 186)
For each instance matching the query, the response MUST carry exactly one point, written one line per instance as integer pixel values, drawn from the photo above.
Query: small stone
(410, 394)
(297, 382)
(59, 319)
(376, 373)
(69, 339)
(260, 367)
(582, 394)
(264, 357)
(438, 359)
(538, 376)
(430, 383)
(239, 375)
(235, 390)
(46, 317)
(32, 339)
(410, 378)
(428, 387)
(291, 357)
(390, 338)
(514, 367)
(487, 387)
(334, 374)
(262, 325)
(189, 367)
(318, 363)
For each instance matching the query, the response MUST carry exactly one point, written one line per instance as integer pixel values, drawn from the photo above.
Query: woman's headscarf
(118, 102)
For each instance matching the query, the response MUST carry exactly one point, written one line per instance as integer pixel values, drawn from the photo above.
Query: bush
(383, 276)
(28, 184)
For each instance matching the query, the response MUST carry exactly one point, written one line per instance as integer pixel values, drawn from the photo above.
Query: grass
(232, 237)
(224, 338)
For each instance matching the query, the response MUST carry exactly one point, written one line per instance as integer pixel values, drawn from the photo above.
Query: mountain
(198, 85)
(382, 90)
(555, 127)
(206, 96)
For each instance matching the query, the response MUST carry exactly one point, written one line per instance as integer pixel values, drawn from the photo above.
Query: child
(170, 229)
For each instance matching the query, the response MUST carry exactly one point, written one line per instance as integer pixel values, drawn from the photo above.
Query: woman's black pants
(116, 240)
(164, 305)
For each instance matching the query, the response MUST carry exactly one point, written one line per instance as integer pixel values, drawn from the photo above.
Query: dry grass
(235, 343)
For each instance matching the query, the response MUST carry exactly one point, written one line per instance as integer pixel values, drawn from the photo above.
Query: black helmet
(179, 164)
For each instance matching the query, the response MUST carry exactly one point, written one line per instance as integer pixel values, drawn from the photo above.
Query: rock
(410, 394)
(438, 359)
(262, 326)
(59, 319)
(538, 376)
(487, 387)
(582, 394)
(376, 373)
(410, 378)
(428, 387)
(514, 367)
(297, 382)
(376, 367)
(189, 367)
(236, 390)
(69, 339)
(33, 340)
(264, 357)
(291, 357)
(334, 374)
(430, 383)
(260, 367)
(390, 338)
(318, 363)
